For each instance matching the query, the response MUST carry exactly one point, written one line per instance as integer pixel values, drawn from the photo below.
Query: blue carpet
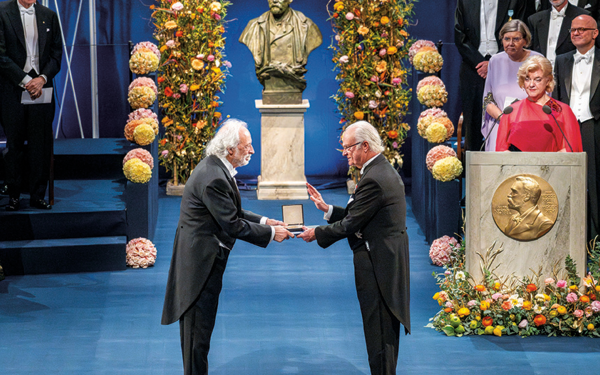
(287, 309)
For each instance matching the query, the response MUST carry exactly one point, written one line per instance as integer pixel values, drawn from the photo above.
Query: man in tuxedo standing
(374, 222)
(592, 6)
(577, 84)
(550, 29)
(30, 57)
(477, 25)
(210, 221)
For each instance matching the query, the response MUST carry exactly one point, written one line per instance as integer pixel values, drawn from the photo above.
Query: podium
(499, 185)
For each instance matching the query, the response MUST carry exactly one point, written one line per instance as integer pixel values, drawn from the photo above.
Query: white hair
(365, 132)
(228, 136)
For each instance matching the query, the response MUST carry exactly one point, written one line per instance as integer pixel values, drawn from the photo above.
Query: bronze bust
(280, 41)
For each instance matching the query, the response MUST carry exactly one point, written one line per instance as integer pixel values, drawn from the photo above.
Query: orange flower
(539, 320)
(385, 20)
(359, 115)
(381, 66)
(171, 25)
(363, 30)
(448, 309)
(160, 79)
(211, 44)
(480, 288)
(392, 134)
(217, 114)
(484, 305)
(531, 288)
(527, 305)
(214, 104)
(392, 50)
(561, 310)
(462, 312)
(584, 299)
(179, 33)
(487, 321)
(163, 141)
(197, 64)
(403, 33)
(168, 92)
(507, 305)
(335, 15)
(376, 24)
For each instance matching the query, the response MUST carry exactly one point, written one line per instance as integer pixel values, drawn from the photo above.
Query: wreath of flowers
(561, 305)
(192, 71)
(370, 49)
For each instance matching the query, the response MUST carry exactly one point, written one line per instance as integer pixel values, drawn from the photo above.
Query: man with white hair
(210, 221)
(374, 222)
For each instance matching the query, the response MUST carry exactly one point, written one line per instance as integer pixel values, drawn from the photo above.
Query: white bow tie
(555, 15)
(30, 10)
(586, 58)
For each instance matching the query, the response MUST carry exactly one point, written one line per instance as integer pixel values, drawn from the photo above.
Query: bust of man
(280, 41)
(529, 223)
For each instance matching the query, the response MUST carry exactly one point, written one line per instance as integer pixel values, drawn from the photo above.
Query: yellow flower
(484, 305)
(137, 171)
(143, 135)
(163, 48)
(359, 115)
(561, 310)
(527, 305)
(447, 169)
(193, 16)
(462, 312)
(170, 25)
(197, 64)
(436, 132)
(392, 50)
(338, 6)
(363, 30)
(498, 331)
(384, 20)
(573, 287)
(497, 286)
(590, 327)
(194, 87)
(436, 296)
(381, 66)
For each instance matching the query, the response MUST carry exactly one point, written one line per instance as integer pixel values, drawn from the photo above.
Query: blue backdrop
(120, 21)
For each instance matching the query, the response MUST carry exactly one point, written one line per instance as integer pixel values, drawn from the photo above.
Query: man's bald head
(584, 31)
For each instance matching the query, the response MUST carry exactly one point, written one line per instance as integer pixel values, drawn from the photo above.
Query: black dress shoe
(13, 204)
(40, 203)
(4, 189)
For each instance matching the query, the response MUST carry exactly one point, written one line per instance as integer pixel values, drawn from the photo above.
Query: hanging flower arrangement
(370, 48)
(192, 72)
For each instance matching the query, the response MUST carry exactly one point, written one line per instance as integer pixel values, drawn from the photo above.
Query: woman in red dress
(530, 127)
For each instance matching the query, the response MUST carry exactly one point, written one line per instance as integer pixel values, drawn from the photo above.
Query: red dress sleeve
(503, 132)
(571, 128)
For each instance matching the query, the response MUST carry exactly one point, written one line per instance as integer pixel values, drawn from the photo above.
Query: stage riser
(63, 225)
(39, 257)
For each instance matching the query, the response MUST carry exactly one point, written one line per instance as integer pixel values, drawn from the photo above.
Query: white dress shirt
(580, 88)
(487, 18)
(556, 20)
(31, 41)
(232, 173)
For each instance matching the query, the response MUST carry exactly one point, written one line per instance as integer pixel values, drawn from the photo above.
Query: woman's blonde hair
(535, 63)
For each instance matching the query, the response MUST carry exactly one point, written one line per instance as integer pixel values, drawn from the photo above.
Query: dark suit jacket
(563, 70)
(592, 6)
(539, 25)
(378, 213)
(211, 216)
(467, 27)
(13, 50)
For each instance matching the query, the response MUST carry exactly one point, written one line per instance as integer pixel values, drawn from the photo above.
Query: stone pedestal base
(176, 190)
(282, 156)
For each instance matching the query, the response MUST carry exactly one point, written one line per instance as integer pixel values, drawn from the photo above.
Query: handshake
(308, 235)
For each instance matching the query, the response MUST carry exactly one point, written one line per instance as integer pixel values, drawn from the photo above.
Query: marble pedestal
(282, 156)
(566, 175)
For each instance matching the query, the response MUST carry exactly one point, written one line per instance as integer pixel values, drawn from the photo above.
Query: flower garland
(370, 47)
(140, 253)
(561, 305)
(192, 71)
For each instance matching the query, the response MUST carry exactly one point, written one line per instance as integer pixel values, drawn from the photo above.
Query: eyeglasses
(348, 148)
(581, 30)
(514, 40)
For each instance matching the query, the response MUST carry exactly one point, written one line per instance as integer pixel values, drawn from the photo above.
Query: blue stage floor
(287, 309)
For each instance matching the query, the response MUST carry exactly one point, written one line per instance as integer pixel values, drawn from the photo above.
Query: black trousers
(197, 323)
(590, 137)
(471, 94)
(31, 123)
(381, 327)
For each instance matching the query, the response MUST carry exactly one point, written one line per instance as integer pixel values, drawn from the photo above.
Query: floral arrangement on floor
(440, 250)
(192, 72)
(561, 305)
(144, 58)
(140, 253)
(370, 49)
(142, 93)
(431, 92)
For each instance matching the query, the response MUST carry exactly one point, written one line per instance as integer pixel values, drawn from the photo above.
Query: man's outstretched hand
(316, 197)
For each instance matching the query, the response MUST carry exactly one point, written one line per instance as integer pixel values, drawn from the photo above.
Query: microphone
(547, 110)
(507, 111)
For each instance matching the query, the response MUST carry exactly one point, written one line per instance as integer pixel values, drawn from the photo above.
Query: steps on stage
(96, 210)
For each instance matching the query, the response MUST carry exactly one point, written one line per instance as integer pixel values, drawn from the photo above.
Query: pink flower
(471, 303)
(523, 323)
(176, 95)
(595, 306)
(349, 94)
(382, 52)
(344, 59)
(396, 81)
(200, 56)
(374, 79)
(141, 113)
(561, 284)
(549, 281)
(177, 6)
(373, 104)
(447, 273)
(384, 35)
(395, 145)
(210, 58)
(572, 298)
(440, 250)
(349, 16)
(227, 63)
(141, 154)
(588, 312)
(183, 88)
(578, 313)
(170, 43)
(164, 153)
(449, 304)
(495, 296)
(216, 16)
(140, 252)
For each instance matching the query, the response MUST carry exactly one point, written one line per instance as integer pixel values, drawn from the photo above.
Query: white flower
(217, 63)
(344, 59)
(538, 309)
(540, 297)
(177, 6)
(460, 275)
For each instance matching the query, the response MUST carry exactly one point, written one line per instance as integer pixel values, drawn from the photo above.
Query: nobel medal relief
(525, 207)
